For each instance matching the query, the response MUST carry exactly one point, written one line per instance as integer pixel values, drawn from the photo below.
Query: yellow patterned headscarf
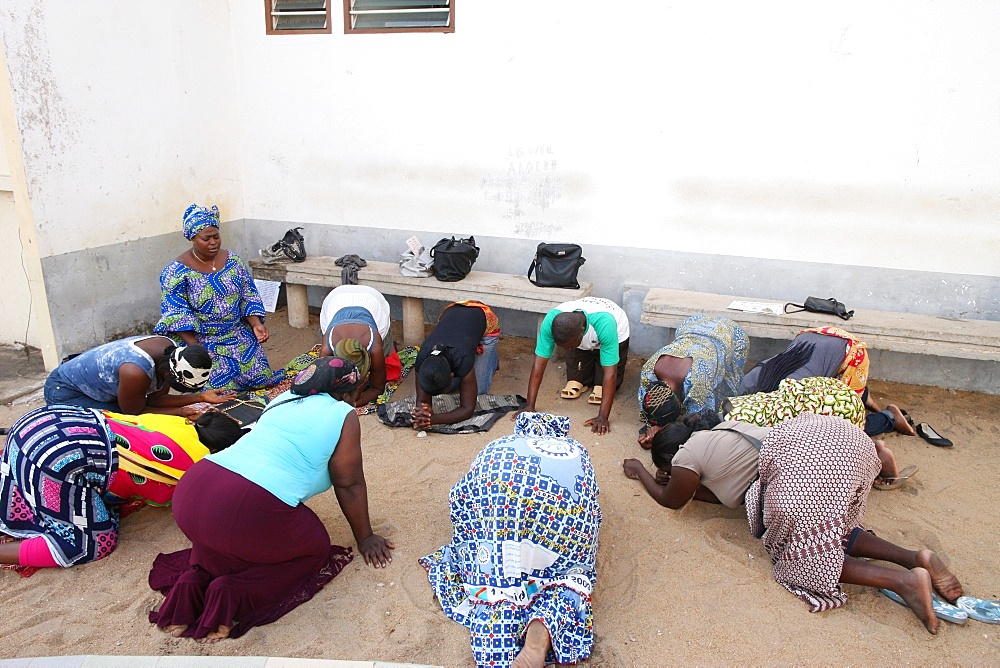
(354, 350)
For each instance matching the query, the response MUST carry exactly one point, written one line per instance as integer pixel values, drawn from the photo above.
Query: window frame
(270, 30)
(348, 30)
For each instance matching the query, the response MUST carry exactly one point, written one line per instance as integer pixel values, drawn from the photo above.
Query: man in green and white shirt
(594, 332)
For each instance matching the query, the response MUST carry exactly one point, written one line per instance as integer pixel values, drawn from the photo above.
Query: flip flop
(942, 610)
(596, 396)
(927, 433)
(906, 415)
(981, 610)
(894, 483)
(573, 390)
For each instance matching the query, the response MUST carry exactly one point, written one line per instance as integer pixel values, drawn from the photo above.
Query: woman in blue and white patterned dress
(520, 568)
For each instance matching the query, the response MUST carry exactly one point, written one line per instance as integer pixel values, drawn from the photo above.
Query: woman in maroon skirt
(257, 551)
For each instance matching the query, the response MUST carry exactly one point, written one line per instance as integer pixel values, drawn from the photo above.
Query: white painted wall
(18, 324)
(126, 112)
(863, 133)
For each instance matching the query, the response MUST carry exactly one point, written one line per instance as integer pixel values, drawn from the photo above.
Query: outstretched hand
(376, 550)
(190, 413)
(645, 439)
(598, 425)
(631, 467)
(217, 396)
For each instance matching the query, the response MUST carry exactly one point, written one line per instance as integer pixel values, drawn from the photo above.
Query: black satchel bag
(556, 265)
(243, 412)
(453, 258)
(816, 305)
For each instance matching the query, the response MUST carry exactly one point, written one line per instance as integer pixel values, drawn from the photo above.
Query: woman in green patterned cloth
(817, 395)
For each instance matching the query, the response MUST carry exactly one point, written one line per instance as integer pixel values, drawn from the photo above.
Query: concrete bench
(880, 330)
(497, 290)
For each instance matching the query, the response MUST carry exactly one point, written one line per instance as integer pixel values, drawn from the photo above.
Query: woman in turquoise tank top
(308, 440)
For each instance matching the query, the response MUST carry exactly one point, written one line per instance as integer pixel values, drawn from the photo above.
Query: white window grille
(297, 16)
(399, 16)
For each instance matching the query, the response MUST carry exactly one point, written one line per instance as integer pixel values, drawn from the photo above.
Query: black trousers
(584, 366)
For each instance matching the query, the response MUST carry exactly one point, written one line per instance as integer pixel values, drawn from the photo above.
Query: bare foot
(899, 421)
(915, 588)
(175, 630)
(222, 633)
(536, 644)
(944, 581)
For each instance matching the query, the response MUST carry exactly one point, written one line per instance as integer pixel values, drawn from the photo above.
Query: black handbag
(244, 412)
(453, 258)
(556, 265)
(829, 306)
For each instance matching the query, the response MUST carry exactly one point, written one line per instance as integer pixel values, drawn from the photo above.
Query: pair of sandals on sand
(965, 608)
(574, 389)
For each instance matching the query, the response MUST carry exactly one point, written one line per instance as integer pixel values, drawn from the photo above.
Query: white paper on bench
(757, 307)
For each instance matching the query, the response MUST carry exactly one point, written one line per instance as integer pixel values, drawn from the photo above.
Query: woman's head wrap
(330, 375)
(354, 350)
(541, 424)
(660, 406)
(190, 367)
(197, 218)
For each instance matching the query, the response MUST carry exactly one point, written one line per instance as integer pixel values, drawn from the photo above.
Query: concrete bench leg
(413, 321)
(298, 305)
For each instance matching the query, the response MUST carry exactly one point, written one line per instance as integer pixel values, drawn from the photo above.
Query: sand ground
(689, 586)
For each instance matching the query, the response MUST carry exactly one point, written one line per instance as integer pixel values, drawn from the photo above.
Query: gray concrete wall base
(101, 294)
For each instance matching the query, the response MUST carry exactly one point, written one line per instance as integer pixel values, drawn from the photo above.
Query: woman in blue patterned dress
(700, 368)
(520, 568)
(209, 298)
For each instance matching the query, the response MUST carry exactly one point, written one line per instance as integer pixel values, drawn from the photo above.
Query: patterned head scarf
(330, 375)
(197, 218)
(354, 350)
(541, 424)
(190, 367)
(660, 406)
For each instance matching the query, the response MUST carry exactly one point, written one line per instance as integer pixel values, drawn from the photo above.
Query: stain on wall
(42, 110)
(526, 189)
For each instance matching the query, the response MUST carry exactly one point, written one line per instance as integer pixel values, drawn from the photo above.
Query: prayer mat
(489, 409)
(407, 356)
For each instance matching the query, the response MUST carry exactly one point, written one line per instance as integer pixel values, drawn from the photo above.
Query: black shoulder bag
(816, 305)
(556, 265)
(453, 258)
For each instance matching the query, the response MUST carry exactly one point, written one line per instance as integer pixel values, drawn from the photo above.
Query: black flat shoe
(926, 432)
